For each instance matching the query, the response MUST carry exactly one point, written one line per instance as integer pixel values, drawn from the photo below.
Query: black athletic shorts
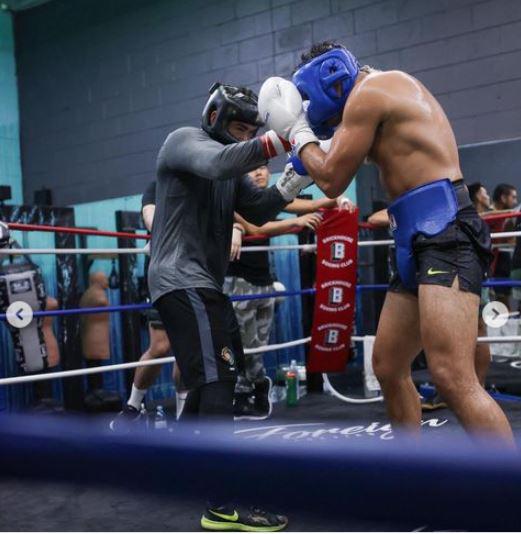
(463, 249)
(204, 334)
(153, 318)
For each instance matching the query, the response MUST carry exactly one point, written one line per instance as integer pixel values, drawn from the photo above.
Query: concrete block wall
(101, 83)
(10, 163)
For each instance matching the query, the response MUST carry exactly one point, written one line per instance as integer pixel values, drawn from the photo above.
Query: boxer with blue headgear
(325, 83)
(442, 246)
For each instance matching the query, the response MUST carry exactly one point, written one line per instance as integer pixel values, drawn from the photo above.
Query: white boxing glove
(280, 107)
(290, 184)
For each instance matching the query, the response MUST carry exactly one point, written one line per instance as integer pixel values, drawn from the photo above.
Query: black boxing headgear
(230, 104)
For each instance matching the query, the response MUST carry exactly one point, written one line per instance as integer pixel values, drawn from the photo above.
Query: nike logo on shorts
(432, 272)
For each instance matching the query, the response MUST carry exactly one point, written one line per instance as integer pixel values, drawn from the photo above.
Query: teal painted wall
(101, 215)
(10, 166)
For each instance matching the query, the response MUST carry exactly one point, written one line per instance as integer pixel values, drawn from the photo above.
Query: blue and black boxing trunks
(438, 236)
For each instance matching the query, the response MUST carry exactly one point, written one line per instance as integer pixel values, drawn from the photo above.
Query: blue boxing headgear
(316, 83)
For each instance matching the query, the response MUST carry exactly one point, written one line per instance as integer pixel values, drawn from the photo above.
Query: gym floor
(29, 505)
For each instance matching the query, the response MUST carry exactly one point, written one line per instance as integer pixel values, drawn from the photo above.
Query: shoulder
(185, 133)
(379, 84)
(386, 85)
(373, 95)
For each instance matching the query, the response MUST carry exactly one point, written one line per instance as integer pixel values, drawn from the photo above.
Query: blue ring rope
(237, 298)
(442, 483)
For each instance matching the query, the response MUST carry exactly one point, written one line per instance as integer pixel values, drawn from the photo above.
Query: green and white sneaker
(224, 518)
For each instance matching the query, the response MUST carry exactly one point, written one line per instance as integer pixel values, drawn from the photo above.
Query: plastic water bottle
(292, 384)
(144, 417)
(160, 419)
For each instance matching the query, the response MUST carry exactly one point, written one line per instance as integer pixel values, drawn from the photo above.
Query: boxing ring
(353, 477)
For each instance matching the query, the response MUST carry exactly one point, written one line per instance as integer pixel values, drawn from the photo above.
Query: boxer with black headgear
(228, 104)
(442, 246)
(200, 183)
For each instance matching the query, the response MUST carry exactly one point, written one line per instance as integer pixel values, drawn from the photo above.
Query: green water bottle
(292, 385)
(291, 388)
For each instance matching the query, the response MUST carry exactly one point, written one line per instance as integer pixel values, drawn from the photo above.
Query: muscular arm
(148, 205)
(271, 228)
(147, 213)
(379, 218)
(191, 150)
(301, 206)
(334, 171)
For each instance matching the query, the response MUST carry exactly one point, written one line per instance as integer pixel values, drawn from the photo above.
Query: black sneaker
(254, 520)
(244, 409)
(243, 406)
(127, 420)
(433, 403)
(262, 404)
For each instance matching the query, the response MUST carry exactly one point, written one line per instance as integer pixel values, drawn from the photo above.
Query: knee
(441, 377)
(450, 383)
(384, 369)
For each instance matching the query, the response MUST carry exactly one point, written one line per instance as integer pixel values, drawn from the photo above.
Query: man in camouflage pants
(255, 318)
(250, 274)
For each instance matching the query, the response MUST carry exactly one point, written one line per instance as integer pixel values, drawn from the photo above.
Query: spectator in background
(249, 273)
(480, 197)
(505, 199)
(159, 346)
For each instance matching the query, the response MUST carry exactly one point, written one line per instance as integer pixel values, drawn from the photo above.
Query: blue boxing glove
(297, 164)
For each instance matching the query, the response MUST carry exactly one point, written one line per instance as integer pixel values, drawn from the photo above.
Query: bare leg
(482, 354)
(144, 377)
(449, 326)
(396, 345)
(181, 392)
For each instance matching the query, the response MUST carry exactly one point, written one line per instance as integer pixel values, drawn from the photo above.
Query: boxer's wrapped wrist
(290, 184)
(301, 135)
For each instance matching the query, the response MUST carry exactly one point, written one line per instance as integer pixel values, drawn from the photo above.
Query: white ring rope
(305, 248)
(81, 372)
(350, 400)
(499, 339)
(58, 251)
(277, 346)
(484, 339)
(170, 359)
(101, 251)
(132, 365)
